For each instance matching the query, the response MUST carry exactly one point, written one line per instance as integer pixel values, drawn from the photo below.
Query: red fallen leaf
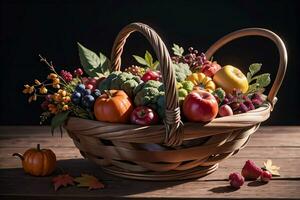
(88, 181)
(62, 180)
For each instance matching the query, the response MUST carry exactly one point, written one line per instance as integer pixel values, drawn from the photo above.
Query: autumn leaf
(273, 169)
(62, 180)
(88, 181)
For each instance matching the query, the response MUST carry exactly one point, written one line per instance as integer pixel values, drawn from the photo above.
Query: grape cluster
(83, 96)
(193, 59)
(241, 103)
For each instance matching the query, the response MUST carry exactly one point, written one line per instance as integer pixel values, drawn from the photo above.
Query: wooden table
(281, 144)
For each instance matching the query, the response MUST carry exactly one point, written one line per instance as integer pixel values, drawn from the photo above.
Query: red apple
(225, 110)
(210, 68)
(200, 106)
(143, 115)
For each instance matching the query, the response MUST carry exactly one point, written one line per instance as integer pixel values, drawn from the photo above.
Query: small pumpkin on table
(37, 161)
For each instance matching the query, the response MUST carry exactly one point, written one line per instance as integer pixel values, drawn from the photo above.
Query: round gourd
(201, 81)
(113, 106)
(37, 161)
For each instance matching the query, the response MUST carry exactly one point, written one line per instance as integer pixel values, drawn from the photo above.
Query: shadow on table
(15, 181)
(223, 189)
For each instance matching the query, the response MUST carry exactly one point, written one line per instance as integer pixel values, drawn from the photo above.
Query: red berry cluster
(151, 75)
(250, 171)
(67, 76)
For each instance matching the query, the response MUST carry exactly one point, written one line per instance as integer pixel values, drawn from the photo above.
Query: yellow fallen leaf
(273, 169)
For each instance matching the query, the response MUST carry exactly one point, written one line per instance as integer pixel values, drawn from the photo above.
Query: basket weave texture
(175, 150)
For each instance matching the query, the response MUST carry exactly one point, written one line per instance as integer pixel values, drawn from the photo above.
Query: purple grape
(243, 108)
(48, 97)
(257, 100)
(226, 101)
(44, 105)
(246, 98)
(249, 105)
(235, 106)
(229, 96)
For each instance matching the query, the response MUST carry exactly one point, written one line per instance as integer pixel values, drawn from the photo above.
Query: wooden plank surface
(281, 144)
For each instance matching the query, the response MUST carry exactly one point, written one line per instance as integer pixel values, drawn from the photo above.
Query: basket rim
(155, 133)
(219, 122)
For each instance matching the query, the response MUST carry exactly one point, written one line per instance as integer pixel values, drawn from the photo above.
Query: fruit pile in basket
(206, 90)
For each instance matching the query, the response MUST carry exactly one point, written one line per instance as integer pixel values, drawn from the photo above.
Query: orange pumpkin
(113, 106)
(37, 161)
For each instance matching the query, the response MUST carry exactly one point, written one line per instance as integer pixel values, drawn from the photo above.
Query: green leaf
(140, 60)
(58, 120)
(104, 66)
(249, 77)
(177, 50)
(263, 80)
(149, 59)
(253, 88)
(155, 64)
(254, 68)
(89, 60)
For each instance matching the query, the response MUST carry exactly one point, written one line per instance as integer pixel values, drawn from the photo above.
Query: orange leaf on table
(88, 181)
(62, 180)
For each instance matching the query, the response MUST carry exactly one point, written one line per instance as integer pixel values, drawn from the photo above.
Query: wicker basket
(172, 151)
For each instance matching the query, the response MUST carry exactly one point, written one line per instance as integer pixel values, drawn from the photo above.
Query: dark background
(53, 27)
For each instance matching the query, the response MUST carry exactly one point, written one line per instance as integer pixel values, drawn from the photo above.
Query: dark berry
(76, 96)
(44, 105)
(80, 88)
(88, 101)
(87, 92)
(96, 93)
(48, 97)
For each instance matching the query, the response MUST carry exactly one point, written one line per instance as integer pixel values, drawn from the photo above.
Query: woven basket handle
(258, 32)
(173, 124)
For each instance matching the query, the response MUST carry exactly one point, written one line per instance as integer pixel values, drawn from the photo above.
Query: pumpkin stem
(38, 147)
(19, 155)
(107, 92)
